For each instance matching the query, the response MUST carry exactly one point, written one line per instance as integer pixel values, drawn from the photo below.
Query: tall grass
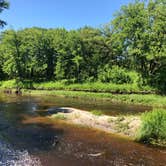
(93, 87)
(89, 90)
(153, 128)
(88, 87)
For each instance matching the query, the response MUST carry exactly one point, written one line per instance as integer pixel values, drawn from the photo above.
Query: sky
(70, 14)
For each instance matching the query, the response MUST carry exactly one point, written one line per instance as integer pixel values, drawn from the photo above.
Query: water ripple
(11, 157)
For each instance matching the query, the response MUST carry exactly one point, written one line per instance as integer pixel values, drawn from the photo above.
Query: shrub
(68, 81)
(153, 128)
(117, 75)
(9, 84)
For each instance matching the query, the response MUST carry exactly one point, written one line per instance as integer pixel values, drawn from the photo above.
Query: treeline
(130, 49)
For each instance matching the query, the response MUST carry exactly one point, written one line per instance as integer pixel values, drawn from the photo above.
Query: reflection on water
(29, 138)
(32, 138)
(107, 107)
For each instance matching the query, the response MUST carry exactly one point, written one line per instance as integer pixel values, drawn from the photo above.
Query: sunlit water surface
(29, 138)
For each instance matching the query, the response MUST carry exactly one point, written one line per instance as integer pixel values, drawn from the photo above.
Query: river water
(29, 138)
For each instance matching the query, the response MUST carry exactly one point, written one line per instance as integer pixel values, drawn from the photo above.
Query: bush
(153, 128)
(68, 81)
(9, 84)
(25, 84)
(117, 75)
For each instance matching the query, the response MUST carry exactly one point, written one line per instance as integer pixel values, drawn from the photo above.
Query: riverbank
(138, 99)
(152, 100)
(126, 93)
(124, 125)
(66, 85)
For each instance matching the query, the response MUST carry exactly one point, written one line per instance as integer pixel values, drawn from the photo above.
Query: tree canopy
(3, 5)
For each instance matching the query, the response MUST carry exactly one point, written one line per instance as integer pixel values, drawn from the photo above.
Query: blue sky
(70, 14)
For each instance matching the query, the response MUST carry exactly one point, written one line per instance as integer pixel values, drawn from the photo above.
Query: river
(29, 138)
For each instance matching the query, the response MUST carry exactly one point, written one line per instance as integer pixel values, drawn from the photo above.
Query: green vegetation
(153, 129)
(87, 87)
(127, 55)
(122, 127)
(59, 116)
(96, 112)
(122, 124)
(118, 75)
(3, 5)
(148, 99)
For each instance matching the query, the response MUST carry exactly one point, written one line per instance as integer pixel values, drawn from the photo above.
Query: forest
(130, 49)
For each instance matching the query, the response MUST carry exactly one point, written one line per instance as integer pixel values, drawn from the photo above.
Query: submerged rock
(55, 110)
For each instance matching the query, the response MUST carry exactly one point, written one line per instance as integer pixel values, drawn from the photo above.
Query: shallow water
(29, 138)
(107, 107)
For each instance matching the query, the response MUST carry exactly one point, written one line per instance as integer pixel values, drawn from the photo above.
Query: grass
(122, 127)
(87, 87)
(146, 99)
(93, 87)
(96, 112)
(59, 116)
(93, 91)
(120, 123)
(153, 128)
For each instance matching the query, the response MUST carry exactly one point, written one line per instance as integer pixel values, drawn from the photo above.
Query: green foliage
(128, 51)
(139, 99)
(3, 5)
(117, 75)
(91, 87)
(153, 126)
(26, 84)
(59, 71)
(97, 113)
(139, 28)
(70, 85)
(8, 84)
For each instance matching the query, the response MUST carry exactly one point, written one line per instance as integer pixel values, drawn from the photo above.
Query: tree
(134, 41)
(140, 28)
(12, 56)
(3, 5)
(93, 48)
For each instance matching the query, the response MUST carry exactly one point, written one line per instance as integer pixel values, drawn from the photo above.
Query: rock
(55, 110)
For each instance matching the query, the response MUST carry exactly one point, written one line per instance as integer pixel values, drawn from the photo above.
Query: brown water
(28, 137)
(107, 107)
